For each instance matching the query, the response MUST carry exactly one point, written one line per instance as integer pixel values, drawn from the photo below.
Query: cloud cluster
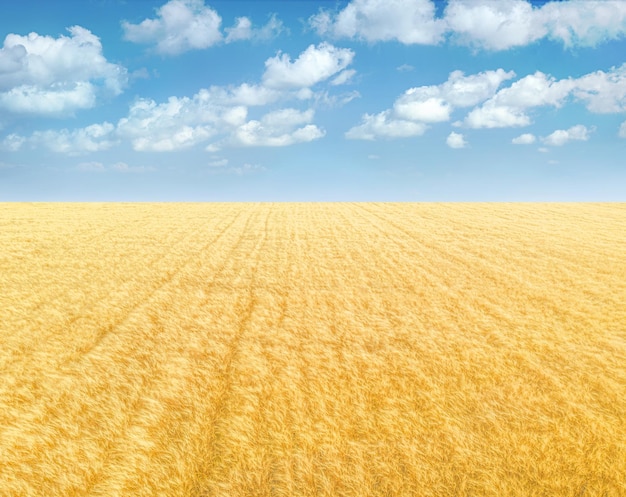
(183, 25)
(600, 92)
(55, 76)
(407, 21)
(217, 114)
(93, 138)
(217, 111)
(487, 24)
(422, 105)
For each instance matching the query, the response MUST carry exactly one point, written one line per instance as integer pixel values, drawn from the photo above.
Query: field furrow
(312, 349)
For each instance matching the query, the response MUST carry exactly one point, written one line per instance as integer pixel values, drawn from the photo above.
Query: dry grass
(313, 349)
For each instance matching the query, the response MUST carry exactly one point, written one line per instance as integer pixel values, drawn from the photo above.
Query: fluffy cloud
(429, 104)
(12, 143)
(456, 140)
(278, 129)
(79, 141)
(181, 25)
(512, 23)
(406, 21)
(603, 92)
(600, 92)
(491, 115)
(494, 25)
(55, 76)
(584, 22)
(218, 113)
(385, 125)
(175, 124)
(435, 103)
(315, 64)
(508, 106)
(562, 136)
(243, 30)
(92, 138)
(487, 24)
(57, 99)
(525, 139)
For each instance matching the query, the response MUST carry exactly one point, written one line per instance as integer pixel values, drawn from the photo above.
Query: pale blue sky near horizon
(360, 100)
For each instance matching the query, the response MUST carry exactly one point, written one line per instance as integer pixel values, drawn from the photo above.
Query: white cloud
(584, 22)
(525, 139)
(315, 64)
(416, 105)
(503, 24)
(622, 130)
(465, 91)
(53, 100)
(243, 30)
(456, 140)
(384, 125)
(12, 142)
(181, 25)
(343, 77)
(562, 136)
(429, 104)
(79, 141)
(543, 150)
(535, 90)
(493, 116)
(55, 76)
(278, 129)
(406, 21)
(508, 106)
(603, 92)
(245, 94)
(405, 68)
(486, 24)
(493, 25)
(373, 157)
(184, 122)
(435, 103)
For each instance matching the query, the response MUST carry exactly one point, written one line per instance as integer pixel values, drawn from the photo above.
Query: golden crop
(299, 349)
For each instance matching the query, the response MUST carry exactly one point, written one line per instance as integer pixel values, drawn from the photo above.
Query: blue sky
(366, 100)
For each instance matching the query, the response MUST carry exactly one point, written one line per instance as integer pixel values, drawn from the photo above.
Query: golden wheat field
(312, 349)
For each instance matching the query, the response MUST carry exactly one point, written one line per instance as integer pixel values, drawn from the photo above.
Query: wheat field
(312, 349)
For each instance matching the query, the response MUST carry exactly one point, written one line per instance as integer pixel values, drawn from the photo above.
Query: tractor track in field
(228, 359)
